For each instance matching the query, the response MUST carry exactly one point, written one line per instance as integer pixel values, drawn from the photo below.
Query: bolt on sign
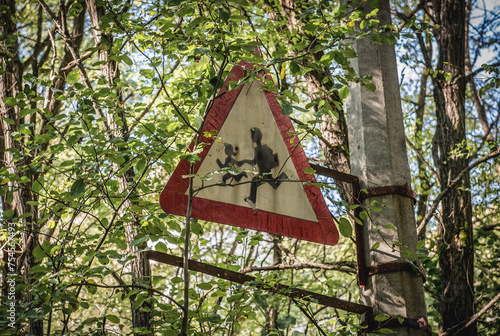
(259, 170)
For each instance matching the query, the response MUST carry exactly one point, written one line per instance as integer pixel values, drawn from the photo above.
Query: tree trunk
(141, 271)
(320, 86)
(10, 87)
(456, 258)
(476, 98)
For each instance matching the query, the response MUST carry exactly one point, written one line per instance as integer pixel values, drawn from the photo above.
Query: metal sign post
(379, 158)
(258, 183)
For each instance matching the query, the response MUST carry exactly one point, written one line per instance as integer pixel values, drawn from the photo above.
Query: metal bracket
(403, 190)
(398, 267)
(420, 324)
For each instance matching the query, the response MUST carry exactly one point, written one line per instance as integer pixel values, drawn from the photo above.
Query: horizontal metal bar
(277, 288)
(403, 190)
(336, 175)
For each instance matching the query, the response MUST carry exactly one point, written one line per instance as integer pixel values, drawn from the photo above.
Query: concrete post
(379, 158)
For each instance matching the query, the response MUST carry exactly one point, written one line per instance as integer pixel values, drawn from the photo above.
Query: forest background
(99, 100)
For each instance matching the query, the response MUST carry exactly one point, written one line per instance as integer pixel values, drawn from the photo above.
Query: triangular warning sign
(265, 191)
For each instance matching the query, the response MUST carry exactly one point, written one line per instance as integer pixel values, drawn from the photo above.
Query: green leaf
(286, 322)
(381, 317)
(420, 244)
(126, 60)
(261, 301)
(148, 73)
(139, 300)
(235, 297)
(375, 246)
(38, 253)
(38, 268)
(37, 186)
(287, 109)
(297, 333)
(205, 286)
(10, 101)
(345, 227)
(370, 86)
(73, 77)
(176, 280)
(141, 164)
(139, 241)
(344, 92)
(161, 247)
(309, 171)
(91, 289)
(224, 14)
(9, 121)
(294, 68)
(77, 188)
(113, 318)
(386, 331)
(349, 53)
(54, 250)
(390, 39)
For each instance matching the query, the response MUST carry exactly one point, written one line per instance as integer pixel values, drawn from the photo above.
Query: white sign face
(250, 141)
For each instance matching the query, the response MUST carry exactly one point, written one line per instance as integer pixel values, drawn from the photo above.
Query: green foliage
(95, 152)
(92, 154)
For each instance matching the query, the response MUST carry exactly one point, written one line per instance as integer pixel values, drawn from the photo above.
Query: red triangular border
(174, 200)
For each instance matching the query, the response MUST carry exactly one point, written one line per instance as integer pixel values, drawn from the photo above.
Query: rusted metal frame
(277, 288)
(420, 324)
(360, 237)
(363, 270)
(397, 267)
(402, 190)
(336, 175)
(362, 276)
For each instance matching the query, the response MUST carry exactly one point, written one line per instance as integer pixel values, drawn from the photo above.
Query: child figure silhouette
(265, 160)
(230, 162)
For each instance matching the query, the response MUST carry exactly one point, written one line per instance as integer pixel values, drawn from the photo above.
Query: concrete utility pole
(379, 158)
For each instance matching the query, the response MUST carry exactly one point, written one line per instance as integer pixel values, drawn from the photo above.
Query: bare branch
(473, 319)
(408, 17)
(68, 41)
(150, 105)
(346, 267)
(451, 186)
(421, 157)
(127, 287)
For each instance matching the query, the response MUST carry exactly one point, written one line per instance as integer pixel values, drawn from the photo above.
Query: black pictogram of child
(265, 160)
(231, 162)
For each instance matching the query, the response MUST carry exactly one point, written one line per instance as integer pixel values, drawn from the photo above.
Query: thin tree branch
(421, 157)
(319, 136)
(68, 41)
(451, 186)
(346, 267)
(408, 17)
(150, 105)
(489, 227)
(309, 317)
(473, 318)
(476, 72)
(126, 287)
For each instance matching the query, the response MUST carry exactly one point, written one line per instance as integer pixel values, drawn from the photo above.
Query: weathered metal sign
(259, 165)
